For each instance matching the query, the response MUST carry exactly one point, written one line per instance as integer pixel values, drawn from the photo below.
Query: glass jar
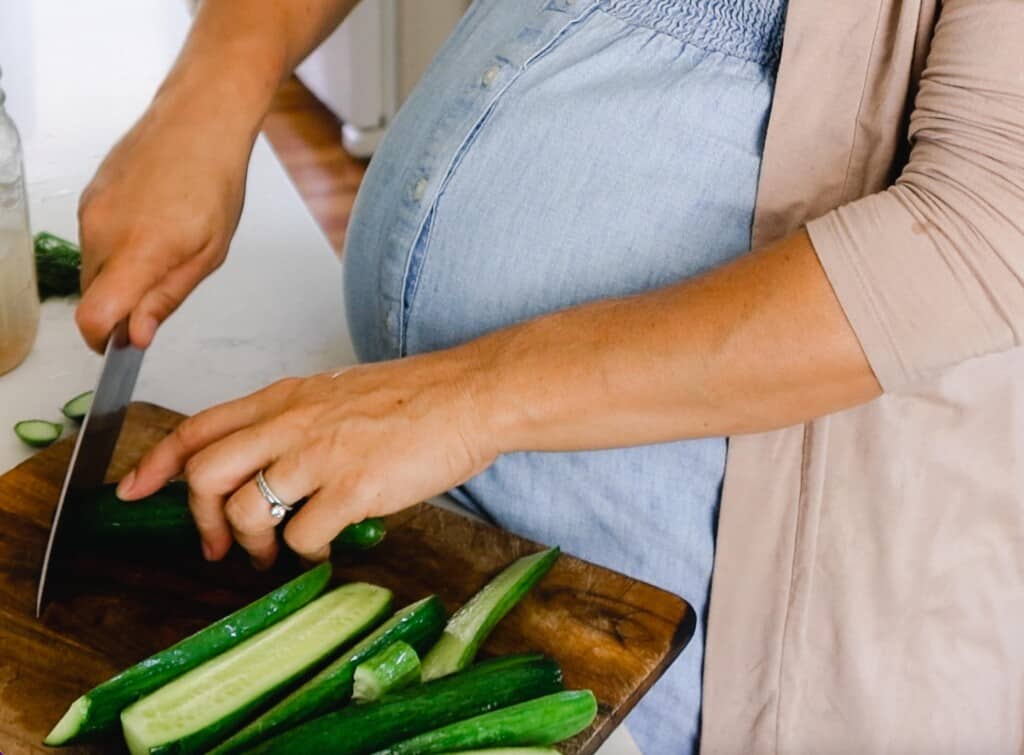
(19, 296)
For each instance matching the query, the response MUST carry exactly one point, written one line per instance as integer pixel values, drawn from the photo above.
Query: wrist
(499, 398)
(212, 88)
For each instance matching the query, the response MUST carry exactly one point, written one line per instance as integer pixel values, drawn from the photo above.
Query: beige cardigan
(868, 594)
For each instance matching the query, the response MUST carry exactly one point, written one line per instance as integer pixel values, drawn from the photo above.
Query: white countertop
(77, 75)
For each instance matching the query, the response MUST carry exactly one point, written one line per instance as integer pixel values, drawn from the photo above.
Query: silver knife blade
(98, 434)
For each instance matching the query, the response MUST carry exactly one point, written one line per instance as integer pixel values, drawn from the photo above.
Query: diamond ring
(278, 508)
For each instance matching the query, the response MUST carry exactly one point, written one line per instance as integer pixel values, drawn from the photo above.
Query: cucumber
(543, 721)
(394, 668)
(208, 703)
(363, 729)
(470, 625)
(160, 521)
(78, 407)
(163, 520)
(98, 710)
(58, 265)
(419, 625)
(38, 433)
(362, 535)
(508, 751)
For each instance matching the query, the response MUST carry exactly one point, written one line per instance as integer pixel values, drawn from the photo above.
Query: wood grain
(306, 137)
(610, 633)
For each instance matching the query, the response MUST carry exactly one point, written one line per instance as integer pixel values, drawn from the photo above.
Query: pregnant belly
(614, 164)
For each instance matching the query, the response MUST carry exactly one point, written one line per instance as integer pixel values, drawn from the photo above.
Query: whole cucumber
(163, 520)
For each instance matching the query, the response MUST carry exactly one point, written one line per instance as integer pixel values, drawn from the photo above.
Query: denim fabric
(558, 152)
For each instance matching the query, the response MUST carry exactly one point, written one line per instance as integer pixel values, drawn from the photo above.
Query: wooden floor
(307, 139)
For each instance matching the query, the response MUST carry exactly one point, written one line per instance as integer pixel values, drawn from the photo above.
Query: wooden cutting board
(610, 633)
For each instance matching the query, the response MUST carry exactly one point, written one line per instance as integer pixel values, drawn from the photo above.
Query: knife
(97, 436)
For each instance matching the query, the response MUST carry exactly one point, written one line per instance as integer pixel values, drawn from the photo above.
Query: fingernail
(124, 487)
(207, 551)
(260, 564)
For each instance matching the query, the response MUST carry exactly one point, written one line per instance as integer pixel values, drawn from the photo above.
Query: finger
(215, 473)
(290, 478)
(163, 299)
(215, 534)
(261, 546)
(119, 286)
(319, 521)
(169, 456)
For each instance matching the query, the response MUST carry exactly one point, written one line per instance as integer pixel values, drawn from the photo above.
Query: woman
(550, 254)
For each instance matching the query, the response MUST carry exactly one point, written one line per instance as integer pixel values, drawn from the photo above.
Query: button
(490, 75)
(419, 189)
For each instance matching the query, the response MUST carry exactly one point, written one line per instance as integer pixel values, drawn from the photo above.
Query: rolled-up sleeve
(930, 272)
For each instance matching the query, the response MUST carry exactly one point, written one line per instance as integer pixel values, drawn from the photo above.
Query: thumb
(118, 287)
(163, 299)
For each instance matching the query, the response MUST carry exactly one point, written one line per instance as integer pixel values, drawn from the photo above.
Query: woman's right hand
(157, 218)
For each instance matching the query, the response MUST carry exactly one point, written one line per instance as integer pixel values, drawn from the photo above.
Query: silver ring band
(278, 508)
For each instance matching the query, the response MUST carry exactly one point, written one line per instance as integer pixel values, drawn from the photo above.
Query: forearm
(758, 344)
(236, 55)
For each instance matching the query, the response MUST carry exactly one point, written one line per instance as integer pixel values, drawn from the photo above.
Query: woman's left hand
(365, 441)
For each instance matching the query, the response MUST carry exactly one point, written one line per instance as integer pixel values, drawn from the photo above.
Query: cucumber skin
(362, 535)
(392, 669)
(108, 699)
(507, 751)
(364, 729)
(442, 659)
(58, 265)
(332, 687)
(542, 721)
(201, 741)
(163, 521)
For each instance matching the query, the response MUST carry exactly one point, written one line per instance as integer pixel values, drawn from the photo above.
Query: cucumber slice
(362, 729)
(471, 624)
(394, 668)
(38, 433)
(208, 703)
(419, 625)
(98, 710)
(78, 407)
(543, 721)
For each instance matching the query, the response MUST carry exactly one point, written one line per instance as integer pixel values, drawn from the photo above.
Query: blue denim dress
(556, 152)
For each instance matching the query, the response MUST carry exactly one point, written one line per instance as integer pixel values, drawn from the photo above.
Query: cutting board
(610, 633)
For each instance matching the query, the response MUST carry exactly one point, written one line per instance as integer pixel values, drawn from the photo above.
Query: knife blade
(97, 436)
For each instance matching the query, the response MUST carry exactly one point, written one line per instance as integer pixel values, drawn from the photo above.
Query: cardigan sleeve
(930, 272)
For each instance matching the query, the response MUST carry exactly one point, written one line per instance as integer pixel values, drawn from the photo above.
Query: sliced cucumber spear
(99, 709)
(361, 729)
(38, 433)
(543, 721)
(471, 624)
(419, 625)
(208, 703)
(394, 668)
(78, 407)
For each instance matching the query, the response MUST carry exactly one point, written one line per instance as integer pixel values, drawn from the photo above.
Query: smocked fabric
(747, 29)
(558, 152)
